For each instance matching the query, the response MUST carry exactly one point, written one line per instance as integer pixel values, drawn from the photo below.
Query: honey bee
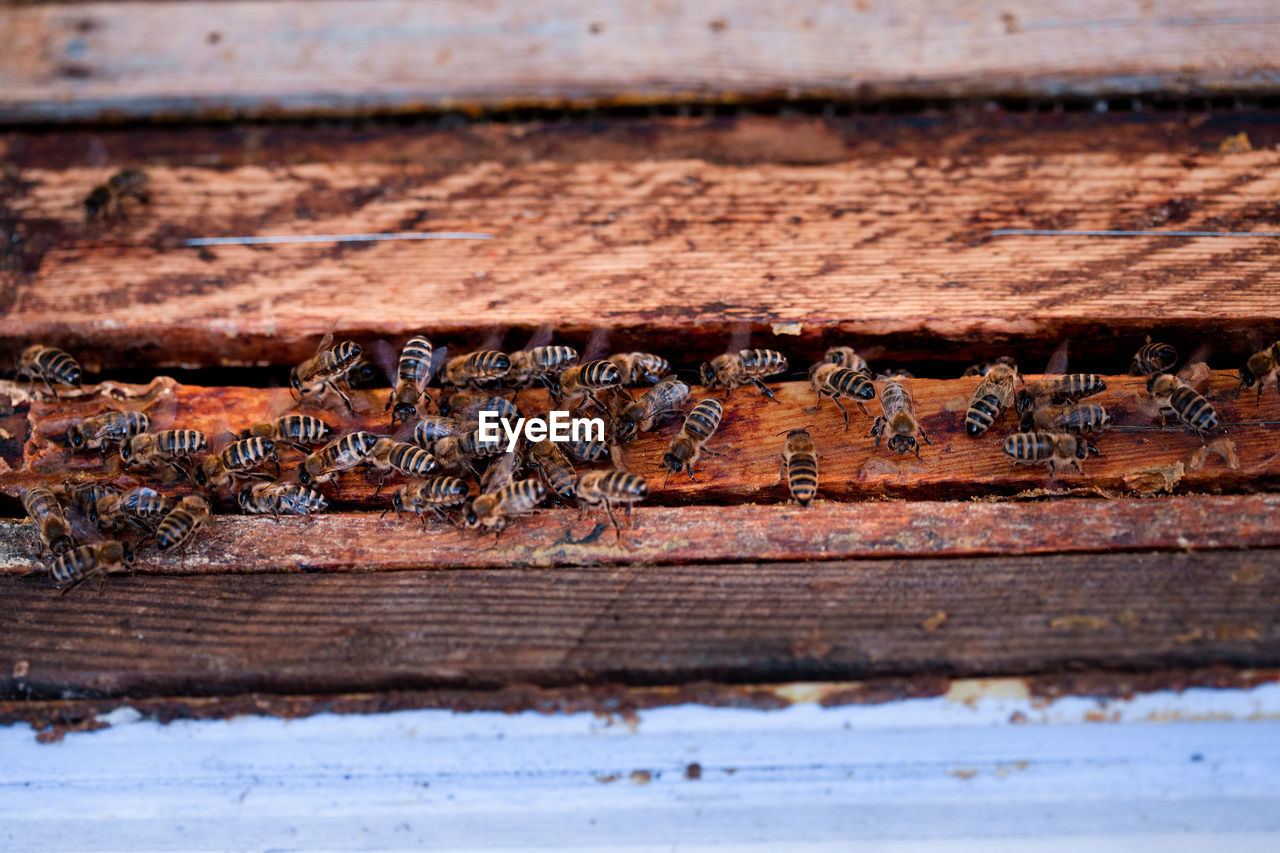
(491, 510)
(89, 561)
(800, 466)
(455, 452)
(474, 369)
(167, 447)
(539, 364)
(833, 381)
(236, 459)
(46, 514)
(554, 467)
(700, 424)
(994, 394)
(1060, 389)
(297, 431)
(1174, 395)
(1153, 358)
(109, 428)
(50, 365)
(342, 454)
(181, 525)
(642, 414)
(413, 372)
(587, 450)
(1053, 449)
(1262, 367)
(85, 496)
(142, 506)
(732, 370)
(607, 488)
(465, 407)
(434, 495)
(583, 381)
(640, 368)
(281, 498)
(1078, 419)
(432, 428)
(390, 455)
(325, 371)
(502, 471)
(105, 201)
(983, 368)
(899, 419)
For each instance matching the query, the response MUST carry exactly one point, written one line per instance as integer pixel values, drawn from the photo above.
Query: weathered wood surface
(891, 251)
(1145, 461)
(288, 57)
(695, 534)
(223, 634)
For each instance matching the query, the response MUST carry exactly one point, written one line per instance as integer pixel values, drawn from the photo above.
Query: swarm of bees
(448, 472)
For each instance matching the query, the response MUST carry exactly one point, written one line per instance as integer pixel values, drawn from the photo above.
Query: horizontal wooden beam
(84, 60)
(231, 634)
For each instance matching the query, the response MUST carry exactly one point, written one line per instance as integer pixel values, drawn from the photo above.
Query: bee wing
(327, 340)
(1200, 353)
(739, 337)
(540, 338)
(386, 358)
(1057, 362)
(597, 346)
(439, 356)
(493, 340)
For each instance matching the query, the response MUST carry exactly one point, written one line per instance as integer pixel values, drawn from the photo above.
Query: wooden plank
(1144, 461)
(893, 252)
(287, 57)
(224, 634)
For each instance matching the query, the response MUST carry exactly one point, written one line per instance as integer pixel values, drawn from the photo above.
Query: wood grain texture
(1143, 462)
(880, 249)
(147, 636)
(288, 57)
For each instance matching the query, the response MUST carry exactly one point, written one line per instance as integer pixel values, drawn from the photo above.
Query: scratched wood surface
(894, 251)
(70, 61)
(640, 624)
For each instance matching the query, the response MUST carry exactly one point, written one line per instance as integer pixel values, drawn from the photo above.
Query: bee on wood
(46, 514)
(642, 414)
(389, 455)
(1078, 419)
(1262, 367)
(297, 431)
(994, 394)
(539, 364)
(85, 496)
(236, 459)
(700, 424)
(584, 381)
(1060, 389)
(455, 453)
(492, 510)
(325, 371)
(607, 488)
(105, 201)
(465, 407)
(800, 466)
(50, 365)
(899, 419)
(587, 450)
(99, 431)
(281, 498)
(833, 381)
(180, 526)
(170, 447)
(434, 495)
(1174, 395)
(640, 368)
(733, 370)
(413, 372)
(1048, 448)
(554, 467)
(1153, 358)
(475, 369)
(98, 560)
(342, 454)
(847, 358)
(432, 428)
(502, 471)
(142, 506)
(983, 368)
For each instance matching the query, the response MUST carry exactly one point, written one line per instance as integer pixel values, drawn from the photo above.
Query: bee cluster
(453, 474)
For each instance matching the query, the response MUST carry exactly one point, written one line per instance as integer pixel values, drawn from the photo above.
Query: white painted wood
(1167, 771)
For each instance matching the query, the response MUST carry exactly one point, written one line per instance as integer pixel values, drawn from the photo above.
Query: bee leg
(843, 411)
(926, 438)
(1076, 463)
(877, 429)
(764, 389)
(381, 482)
(863, 408)
(340, 393)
